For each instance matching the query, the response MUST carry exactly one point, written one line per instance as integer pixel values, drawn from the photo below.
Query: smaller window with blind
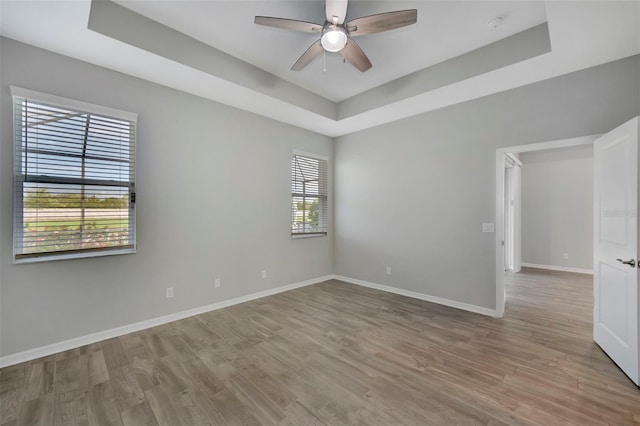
(74, 178)
(308, 195)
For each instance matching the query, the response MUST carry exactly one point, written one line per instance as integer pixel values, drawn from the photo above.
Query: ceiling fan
(336, 36)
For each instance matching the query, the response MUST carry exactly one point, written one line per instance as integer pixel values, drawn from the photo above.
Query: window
(74, 169)
(308, 195)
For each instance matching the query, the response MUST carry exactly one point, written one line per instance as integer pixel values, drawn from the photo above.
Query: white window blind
(74, 179)
(308, 196)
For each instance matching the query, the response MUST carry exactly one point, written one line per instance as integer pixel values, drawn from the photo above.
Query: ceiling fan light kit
(337, 36)
(334, 39)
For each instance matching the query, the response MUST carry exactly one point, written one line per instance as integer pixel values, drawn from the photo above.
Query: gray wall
(557, 207)
(413, 194)
(213, 188)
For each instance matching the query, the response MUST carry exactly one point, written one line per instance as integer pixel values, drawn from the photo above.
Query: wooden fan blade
(288, 24)
(308, 56)
(354, 54)
(382, 22)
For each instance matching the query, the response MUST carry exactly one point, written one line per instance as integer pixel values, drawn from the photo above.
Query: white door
(615, 273)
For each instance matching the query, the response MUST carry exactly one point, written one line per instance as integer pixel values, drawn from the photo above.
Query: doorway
(508, 200)
(616, 319)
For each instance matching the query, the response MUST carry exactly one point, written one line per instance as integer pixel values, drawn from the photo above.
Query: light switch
(488, 227)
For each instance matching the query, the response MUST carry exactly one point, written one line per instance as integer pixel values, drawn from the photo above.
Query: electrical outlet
(388, 270)
(565, 255)
(216, 283)
(169, 292)
(264, 273)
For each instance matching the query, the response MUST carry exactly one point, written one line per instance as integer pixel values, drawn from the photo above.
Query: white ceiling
(582, 33)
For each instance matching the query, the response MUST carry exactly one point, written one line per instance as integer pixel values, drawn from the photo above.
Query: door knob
(631, 262)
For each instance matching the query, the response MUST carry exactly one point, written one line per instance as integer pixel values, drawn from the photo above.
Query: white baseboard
(76, 342)
(558, 268)
(439, 300)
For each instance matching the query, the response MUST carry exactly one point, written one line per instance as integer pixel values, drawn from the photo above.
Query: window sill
(69, 256)
(299, 236)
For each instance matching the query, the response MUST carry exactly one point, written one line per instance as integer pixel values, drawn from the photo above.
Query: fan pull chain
(324, 61)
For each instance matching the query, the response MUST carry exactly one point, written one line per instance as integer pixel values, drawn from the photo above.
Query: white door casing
(500, 213)
(512, 214)
(615, 284)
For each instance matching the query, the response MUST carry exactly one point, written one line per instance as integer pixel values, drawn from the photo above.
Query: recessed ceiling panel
(445, 29)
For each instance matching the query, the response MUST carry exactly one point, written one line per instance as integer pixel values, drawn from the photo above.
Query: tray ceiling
(213, 49)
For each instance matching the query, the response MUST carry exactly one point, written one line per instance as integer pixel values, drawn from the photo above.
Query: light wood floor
(336, 353)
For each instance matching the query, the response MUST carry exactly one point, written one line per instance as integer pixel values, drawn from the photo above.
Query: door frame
(501, 153)
(512, 184)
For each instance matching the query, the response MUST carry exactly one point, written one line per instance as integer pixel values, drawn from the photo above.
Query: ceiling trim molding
(508, 51)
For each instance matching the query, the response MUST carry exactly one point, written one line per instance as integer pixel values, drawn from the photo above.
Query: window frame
(322, 199)
(19, 181)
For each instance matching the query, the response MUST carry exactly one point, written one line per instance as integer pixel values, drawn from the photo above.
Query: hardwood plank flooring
(335, 354)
